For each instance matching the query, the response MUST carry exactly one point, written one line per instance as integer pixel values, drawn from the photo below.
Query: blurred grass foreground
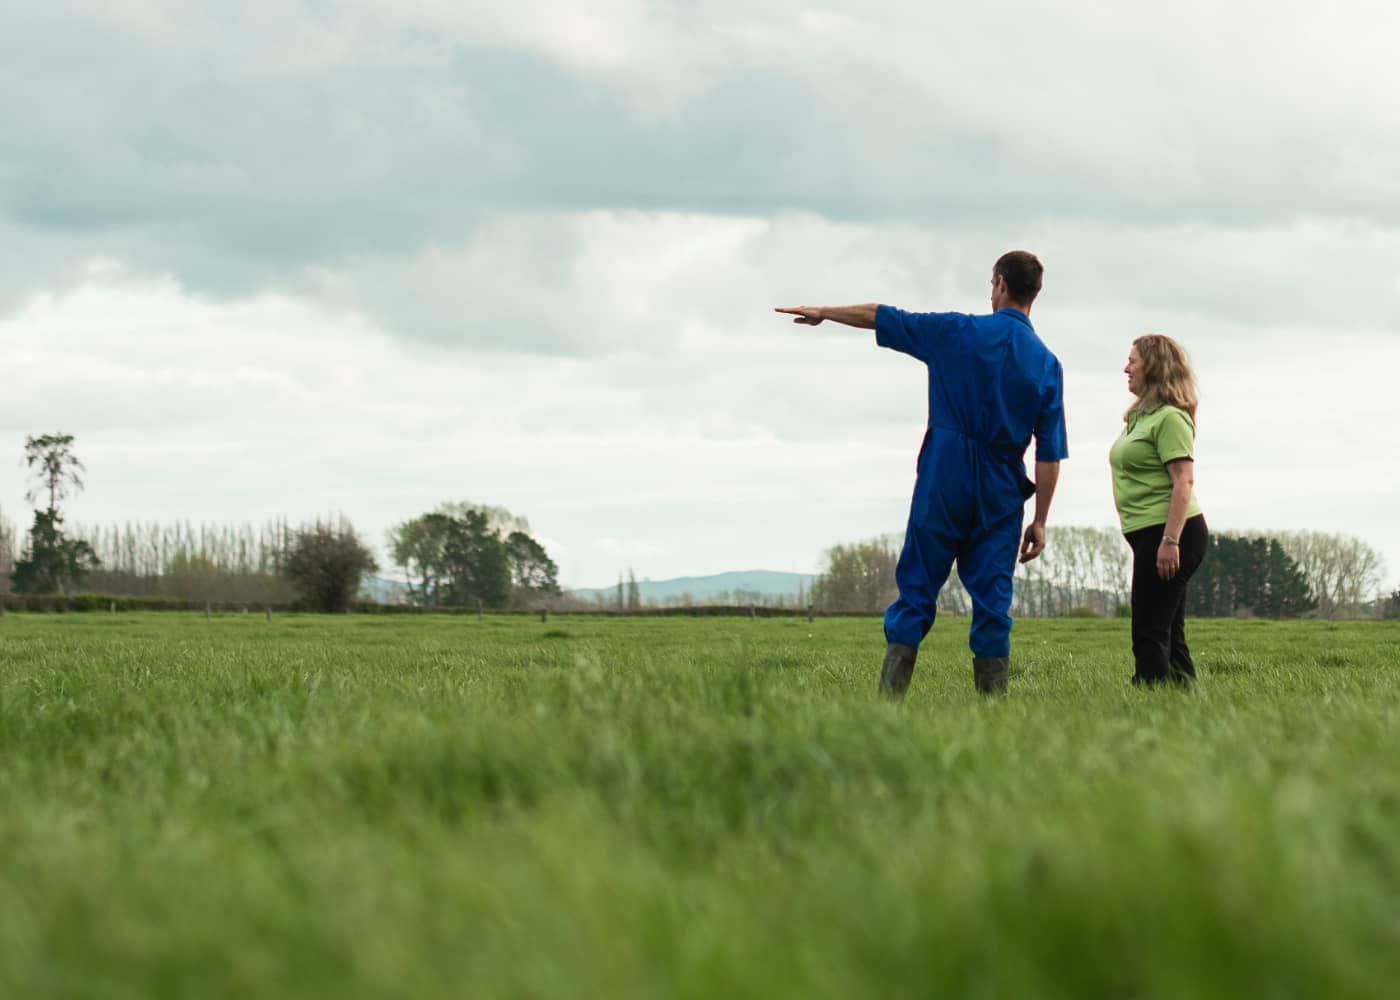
(433, 807)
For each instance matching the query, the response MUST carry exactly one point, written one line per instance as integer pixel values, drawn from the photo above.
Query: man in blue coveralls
(992, 385)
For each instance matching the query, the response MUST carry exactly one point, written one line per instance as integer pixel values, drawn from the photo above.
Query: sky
(294, 258)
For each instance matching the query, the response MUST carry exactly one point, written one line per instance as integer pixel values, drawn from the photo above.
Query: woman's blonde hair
(1166, 375)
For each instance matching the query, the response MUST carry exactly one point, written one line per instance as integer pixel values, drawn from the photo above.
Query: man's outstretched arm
(862, 316)
(1047, 474)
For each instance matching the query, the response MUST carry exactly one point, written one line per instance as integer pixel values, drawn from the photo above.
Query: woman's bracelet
(1169, 540)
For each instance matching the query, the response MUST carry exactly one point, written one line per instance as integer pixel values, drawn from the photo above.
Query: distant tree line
(473, 555)
(460, 554)
(1088, 571)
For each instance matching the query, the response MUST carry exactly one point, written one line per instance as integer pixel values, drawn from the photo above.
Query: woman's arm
(1183, 473)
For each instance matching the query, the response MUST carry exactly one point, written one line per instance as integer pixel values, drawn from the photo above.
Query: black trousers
(1159, 606)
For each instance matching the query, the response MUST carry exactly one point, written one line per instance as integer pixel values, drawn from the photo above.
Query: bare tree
(51, 460)
(1342, 570)
(953, 598)
(8, 539)
(857, 577)
(235, 563)
(1081, 568)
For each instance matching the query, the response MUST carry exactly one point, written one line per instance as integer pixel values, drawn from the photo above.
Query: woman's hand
(1168, 560)
(1183, 473)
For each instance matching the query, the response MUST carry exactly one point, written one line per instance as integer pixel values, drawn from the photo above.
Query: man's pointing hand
(809, 315)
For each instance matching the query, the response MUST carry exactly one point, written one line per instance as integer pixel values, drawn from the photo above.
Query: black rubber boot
(897, 670)
(990, 674)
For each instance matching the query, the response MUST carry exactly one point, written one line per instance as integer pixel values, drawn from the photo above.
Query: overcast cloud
(288, 258)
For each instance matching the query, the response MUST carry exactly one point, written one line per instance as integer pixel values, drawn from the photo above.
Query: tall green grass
(635, 808)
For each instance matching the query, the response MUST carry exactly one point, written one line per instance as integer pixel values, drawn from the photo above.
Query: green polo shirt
(1142, 487)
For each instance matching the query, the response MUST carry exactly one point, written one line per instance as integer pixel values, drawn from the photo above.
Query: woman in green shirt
(1153, 464)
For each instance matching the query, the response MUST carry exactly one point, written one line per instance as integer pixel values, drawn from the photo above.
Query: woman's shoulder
(1172, 424)
(1168, 412)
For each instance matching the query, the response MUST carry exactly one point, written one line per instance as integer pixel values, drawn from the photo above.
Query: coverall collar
(1015, 314)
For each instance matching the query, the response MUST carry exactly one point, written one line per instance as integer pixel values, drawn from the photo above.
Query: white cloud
(374, 257)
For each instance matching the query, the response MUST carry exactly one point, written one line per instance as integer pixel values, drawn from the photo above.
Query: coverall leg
(986, 566)
(923, 568)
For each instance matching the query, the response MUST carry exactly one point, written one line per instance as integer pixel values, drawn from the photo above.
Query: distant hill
(383, 590)
(707, 588)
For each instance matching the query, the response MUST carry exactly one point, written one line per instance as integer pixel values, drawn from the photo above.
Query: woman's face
(1134, 372)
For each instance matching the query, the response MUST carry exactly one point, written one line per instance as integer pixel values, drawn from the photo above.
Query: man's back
(991, 378)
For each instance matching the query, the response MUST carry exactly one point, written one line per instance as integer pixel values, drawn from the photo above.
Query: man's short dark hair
(1023, 273)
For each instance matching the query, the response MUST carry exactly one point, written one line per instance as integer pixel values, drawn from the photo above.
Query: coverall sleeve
(921, 335)
(1051, 439)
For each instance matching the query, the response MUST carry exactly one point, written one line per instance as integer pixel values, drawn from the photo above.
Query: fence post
(208, 611)
(810, 617)
(269, 614)
(544, 616)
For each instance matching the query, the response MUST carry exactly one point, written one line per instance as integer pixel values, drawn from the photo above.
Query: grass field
(697, 808)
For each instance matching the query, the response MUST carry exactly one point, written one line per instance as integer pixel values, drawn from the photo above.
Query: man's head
(1016, 278)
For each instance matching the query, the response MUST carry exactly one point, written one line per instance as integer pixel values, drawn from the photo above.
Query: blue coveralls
(992, 384)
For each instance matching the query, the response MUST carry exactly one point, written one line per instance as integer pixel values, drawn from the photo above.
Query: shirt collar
(1015, 314)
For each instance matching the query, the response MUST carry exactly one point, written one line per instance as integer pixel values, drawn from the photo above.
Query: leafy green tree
(498, 519)
(419, 547)
(477, 563)
(52, 562)
(1214, 591)
(1252, 576)
(459, 555)
(1289, 594)
(531, 570)
(325, 563)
